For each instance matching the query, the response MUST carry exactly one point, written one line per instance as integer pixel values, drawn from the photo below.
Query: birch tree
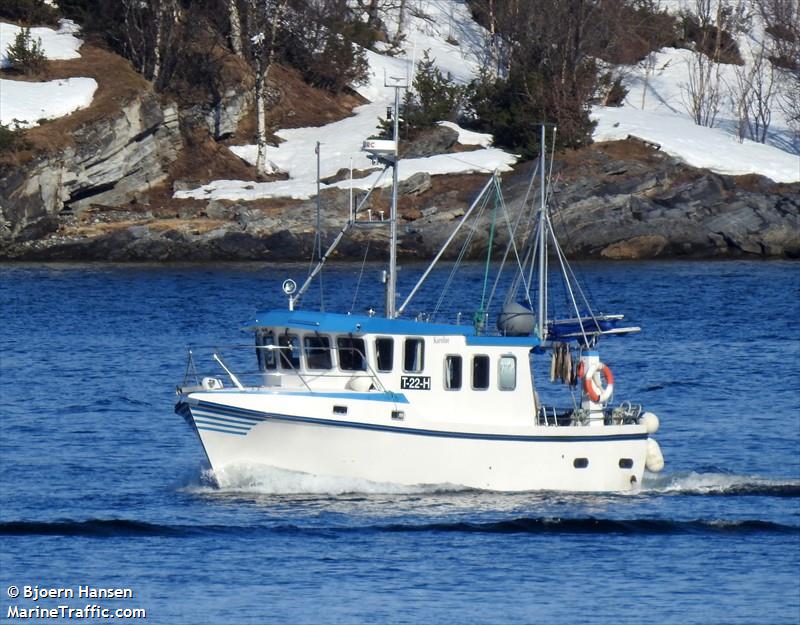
(762, 88)
(236, 26)
(266, 18)
(150, 29)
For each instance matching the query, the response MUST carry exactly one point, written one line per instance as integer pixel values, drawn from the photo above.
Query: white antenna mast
(397, 83)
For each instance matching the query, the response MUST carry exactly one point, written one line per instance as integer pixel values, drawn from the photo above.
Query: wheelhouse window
(289, 351)
(384, 353)
(480, 372)
(351, 354)
(318, 352)
(452, 373)
(507, 373)
(414, 355)
(266, 357)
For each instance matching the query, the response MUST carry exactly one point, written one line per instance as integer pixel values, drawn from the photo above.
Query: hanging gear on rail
(561, 368)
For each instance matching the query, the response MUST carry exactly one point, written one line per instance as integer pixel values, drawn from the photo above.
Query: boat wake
(266, 480)
(258, 479)
(109, 528)
(718, 483)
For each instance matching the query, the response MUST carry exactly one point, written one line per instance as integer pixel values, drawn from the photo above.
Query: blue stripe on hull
(221, 423)
(224, 411)
(210, 429)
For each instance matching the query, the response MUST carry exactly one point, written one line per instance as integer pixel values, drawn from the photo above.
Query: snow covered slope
(434, 25)
(697, 146)
(58, 44)
(341, 141)
(29, 102)
(655, 109)
(25, 103)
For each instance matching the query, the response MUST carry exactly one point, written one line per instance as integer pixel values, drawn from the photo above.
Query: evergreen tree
(26, 54)
(435, 97)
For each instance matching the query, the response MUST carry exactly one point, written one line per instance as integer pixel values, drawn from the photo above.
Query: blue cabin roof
(363, 324)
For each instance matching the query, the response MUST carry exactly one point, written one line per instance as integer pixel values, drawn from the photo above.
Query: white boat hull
(300, 433)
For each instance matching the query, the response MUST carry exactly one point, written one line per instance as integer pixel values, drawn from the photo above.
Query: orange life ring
(593, 386)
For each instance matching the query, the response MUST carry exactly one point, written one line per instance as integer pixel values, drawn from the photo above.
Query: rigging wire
(512, 233)
(481, 311)
(360, 275)
(461, 254)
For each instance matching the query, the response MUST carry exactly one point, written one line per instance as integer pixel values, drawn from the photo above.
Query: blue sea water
(102, 485)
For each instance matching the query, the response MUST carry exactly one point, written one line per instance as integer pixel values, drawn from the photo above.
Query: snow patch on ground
(468, 137)
(25, 102)
(697, 146)
(28, 102)
(61, 44)
(485, 161)
(655, 109)
(446, 30)
(340, 142)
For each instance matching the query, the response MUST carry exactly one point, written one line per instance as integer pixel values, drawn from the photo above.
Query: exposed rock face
(222, 118)
(109, 162)
(609, 204)
(651, 205)
(647, 246)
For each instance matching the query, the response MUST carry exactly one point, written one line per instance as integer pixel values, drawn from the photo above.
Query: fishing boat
(415, 400)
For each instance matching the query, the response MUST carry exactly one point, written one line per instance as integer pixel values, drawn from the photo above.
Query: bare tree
(150, 27)
(702, 92)
(763, 91)
(789, 103)
(649, 65)
(265, 19)
(236, 26)
(741, 96)
(401, 22)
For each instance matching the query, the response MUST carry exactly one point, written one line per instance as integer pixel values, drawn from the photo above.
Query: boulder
(646, 246)
(436, 140)
(415, 185)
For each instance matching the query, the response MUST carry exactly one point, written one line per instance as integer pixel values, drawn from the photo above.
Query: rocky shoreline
(108, 197)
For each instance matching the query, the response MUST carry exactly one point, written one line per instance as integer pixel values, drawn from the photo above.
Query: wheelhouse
(435, 363)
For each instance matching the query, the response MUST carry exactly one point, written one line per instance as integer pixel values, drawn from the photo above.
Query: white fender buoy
(359, 383)
(650, 422)
(654, 460)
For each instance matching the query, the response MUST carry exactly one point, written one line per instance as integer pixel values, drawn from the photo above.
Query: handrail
(335, 373)
(321, 372)
(233, 378)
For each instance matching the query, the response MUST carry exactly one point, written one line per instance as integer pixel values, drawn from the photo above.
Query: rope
(489, 254)
(360, 275)
(461, 254)
(512, 232)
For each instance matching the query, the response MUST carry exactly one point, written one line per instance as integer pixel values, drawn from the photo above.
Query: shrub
(12, 139)
(29, 12)
(512, 108)
(26, 54)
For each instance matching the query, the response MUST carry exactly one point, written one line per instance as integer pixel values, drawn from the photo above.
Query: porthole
(625, 463)
(580, 463)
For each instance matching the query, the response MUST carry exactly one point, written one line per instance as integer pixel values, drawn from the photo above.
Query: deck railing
(256, 379)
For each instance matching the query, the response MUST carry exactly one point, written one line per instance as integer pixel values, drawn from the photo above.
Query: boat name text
(415, 382)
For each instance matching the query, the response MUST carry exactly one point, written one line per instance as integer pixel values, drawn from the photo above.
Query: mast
(318, 238)
(542, 245)
(391, 279)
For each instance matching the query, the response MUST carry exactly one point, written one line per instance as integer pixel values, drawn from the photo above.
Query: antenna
(413, 62)
(397, 82)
